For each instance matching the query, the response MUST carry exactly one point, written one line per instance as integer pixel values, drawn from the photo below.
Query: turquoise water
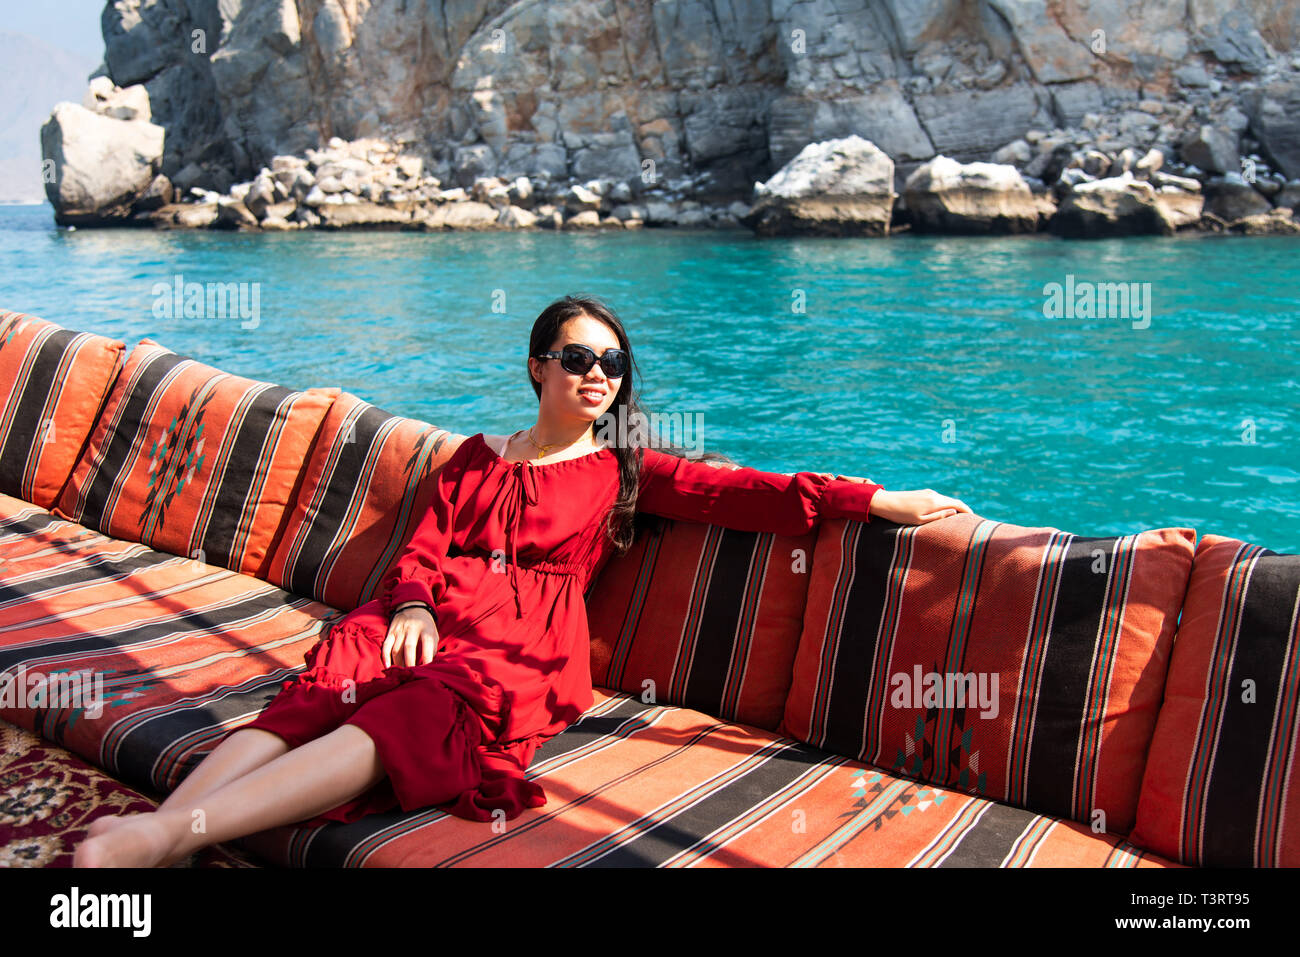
(916, 362)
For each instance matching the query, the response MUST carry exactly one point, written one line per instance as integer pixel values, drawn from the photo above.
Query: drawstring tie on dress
(526, 484)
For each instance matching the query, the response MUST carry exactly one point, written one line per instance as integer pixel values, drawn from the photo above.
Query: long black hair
(623, 522)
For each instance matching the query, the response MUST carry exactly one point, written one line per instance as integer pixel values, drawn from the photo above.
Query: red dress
(504, 554)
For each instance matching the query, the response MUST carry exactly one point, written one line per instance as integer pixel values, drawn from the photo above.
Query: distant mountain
(35, 77)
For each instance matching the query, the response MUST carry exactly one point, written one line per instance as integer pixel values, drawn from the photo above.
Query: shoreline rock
(838, 188)
(101, 166)
(842, 187)
(1071, 183)
(944, 196)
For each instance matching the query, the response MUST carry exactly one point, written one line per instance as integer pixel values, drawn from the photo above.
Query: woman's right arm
(416, 575)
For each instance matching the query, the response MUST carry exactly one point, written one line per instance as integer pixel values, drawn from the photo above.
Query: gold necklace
(542, 448)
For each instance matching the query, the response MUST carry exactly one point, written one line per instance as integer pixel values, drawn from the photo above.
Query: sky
(70, 24)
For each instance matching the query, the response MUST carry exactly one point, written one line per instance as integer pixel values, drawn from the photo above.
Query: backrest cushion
(52, 384)
(1222, 782)
(1064, 640)
(703, 617)
(194, 461)
(367, 484)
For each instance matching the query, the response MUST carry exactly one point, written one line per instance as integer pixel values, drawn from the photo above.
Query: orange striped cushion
(52, 384)
(631, 784)
(169, 651)
(1076, 631)
(194, 461)
(184, 652)
(702, 616)
(1222, 783)
(367, 484)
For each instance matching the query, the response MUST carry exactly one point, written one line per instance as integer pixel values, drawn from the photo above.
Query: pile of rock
(1146, 166)
(843, 187)
(372, 183)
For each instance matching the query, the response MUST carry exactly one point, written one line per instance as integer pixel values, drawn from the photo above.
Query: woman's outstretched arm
(913, 507)
(747, 499)
(751, 500)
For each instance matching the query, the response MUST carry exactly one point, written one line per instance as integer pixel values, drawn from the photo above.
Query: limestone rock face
(1212, 149)
(99, 166)
(705, 95)
(951, 197)
(840, 187)
(1275, 119)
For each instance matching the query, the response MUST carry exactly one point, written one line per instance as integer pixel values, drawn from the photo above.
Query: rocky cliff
(709, 95)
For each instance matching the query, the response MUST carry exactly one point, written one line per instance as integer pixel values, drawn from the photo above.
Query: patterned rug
(49, 797)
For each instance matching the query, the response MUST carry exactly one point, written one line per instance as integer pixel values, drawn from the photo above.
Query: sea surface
(917, 362)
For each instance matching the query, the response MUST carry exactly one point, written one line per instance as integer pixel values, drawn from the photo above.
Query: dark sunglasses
(579, 360)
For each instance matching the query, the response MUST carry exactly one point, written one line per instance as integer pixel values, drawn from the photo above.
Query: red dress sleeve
(416, 574)
(746, 499)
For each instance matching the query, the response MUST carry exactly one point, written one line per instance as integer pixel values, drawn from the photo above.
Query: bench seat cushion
(194, 461)
(52, 384)
(188, 650)
(644, 785)
(168, 650)
(367, 484)
(703, 617)
(1063, 640)
(1222, 782)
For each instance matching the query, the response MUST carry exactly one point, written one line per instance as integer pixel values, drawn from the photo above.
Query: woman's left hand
(848, 478)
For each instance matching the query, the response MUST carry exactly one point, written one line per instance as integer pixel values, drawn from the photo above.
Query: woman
(438, 691)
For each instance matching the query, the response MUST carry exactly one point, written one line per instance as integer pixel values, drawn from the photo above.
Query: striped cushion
(365, 488)
(702, 616)
(194, 461)
(1222, 783)
(52, 384)
(186, 651)
(1075, 631)
(631, 784)
(181, 650)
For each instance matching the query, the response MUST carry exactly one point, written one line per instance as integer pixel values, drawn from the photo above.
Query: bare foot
(140, 840)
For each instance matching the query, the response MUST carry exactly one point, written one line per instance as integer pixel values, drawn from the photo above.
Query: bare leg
(297, 785)
(242, 752)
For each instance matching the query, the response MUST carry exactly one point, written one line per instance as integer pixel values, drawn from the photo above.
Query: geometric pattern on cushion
(194, 461)
(366, 485)
(703, 617)
(190, 653)
(1058, 642)
(52, 384)
(49, 798)
(1222, 783)
(174, 651)
(631, 784)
